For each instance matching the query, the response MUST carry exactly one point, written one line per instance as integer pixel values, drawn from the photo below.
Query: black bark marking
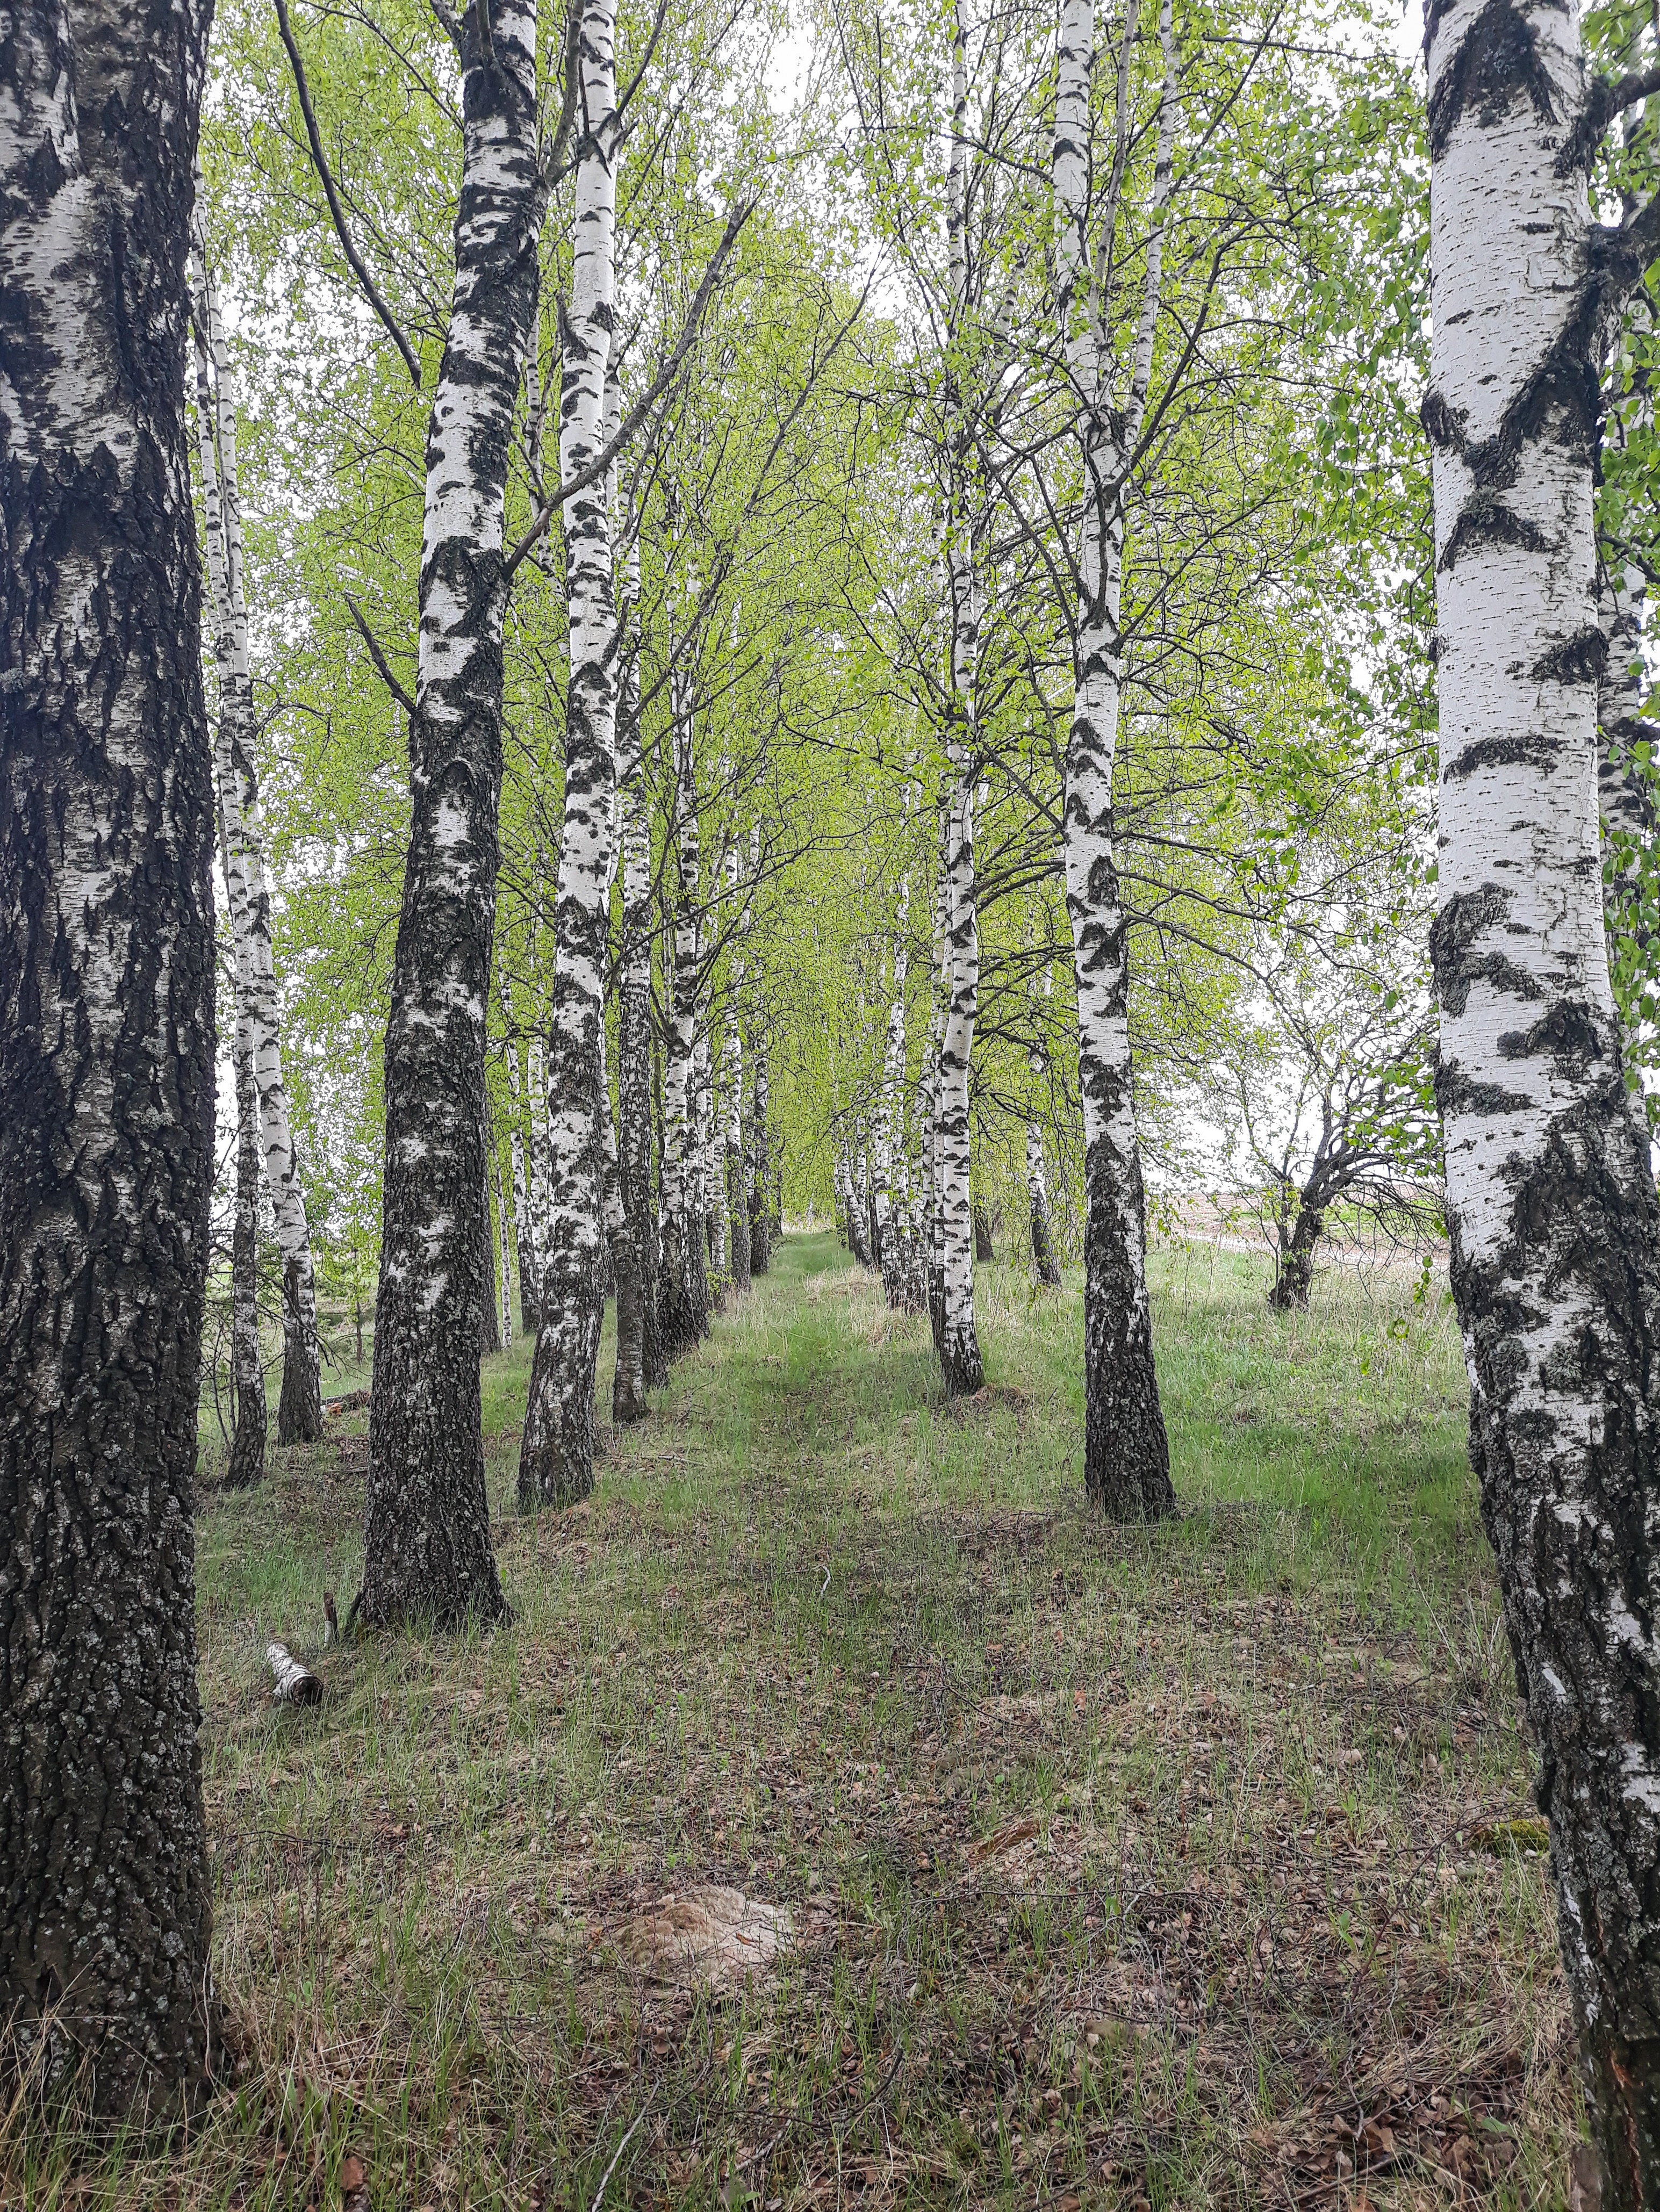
(1501, 752)
(1580, 659)
(1456, 1093)
(1486, 520)
(1442, 427)
(1496, 65)
(1455, 929)
(1569, 1034)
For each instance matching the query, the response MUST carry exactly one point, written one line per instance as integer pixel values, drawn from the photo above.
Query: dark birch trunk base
(300, 1406)
(1126, 1450)
(247, 1443)
(984, 1250)
(960, 1363)
(654, 1344)
(490, 1322)
(106, 1062)
(628, 1389)
(698, 1284)
(760, 1244)
(858, 1231)
(1042, 1248)
(555, 1460)
(681, 1321)
(1622, 2092)
(738, 1213)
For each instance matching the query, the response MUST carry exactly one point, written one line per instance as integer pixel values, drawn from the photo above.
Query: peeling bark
(1555, 1234)
(427, 1538)
(107, 1056)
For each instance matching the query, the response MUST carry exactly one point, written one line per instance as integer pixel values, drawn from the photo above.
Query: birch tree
(636, 1276)
(526, 1221)
(734, 1192)
(427, 1538)
(299, 1408)
(107, 1060)
(1125, 1453)
(1551, 1205)
(758, 1164)
(682, 1283)
(555, 1462)
(246, 1464)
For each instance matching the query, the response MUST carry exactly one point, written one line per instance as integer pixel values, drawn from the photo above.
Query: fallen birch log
(295, 1685)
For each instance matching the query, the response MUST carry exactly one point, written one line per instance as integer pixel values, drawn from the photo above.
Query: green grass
(1127, 1867)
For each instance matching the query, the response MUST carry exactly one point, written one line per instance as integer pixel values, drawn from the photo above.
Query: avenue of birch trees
(945, 618)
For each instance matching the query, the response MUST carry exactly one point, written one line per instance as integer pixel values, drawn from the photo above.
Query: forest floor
(1191, 1866)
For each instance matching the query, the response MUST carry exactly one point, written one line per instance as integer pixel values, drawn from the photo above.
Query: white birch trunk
(939, 989)
(637, 1343)
(524, 1215)
(1125, 1453)
(735, 1193)
(714, 1212)
(758, 1156)
(892, 1189)
(1046, 1265)
(555, 1460)
(1555, 1243)
(427, 1543)
(683, 1288)
(300, 1407)
(506, 1257)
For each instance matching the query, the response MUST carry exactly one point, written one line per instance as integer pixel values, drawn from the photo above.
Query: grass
(1190, 1866)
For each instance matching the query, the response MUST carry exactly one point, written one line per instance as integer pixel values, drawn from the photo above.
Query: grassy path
(1139, 1869)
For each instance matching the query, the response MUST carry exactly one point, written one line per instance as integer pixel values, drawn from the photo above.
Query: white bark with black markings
(758, 1162)
(636, 1279)
(555, 1459)
(735, 1187)
(524, 1213)
(427, 1538)
(300, 1405)
(248, 1427)
(682, 1295)
(1126, 1452)
(1555, 1242)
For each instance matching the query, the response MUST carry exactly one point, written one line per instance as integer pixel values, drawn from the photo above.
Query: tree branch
(642, 407)
(319, 162)
(379, 659)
